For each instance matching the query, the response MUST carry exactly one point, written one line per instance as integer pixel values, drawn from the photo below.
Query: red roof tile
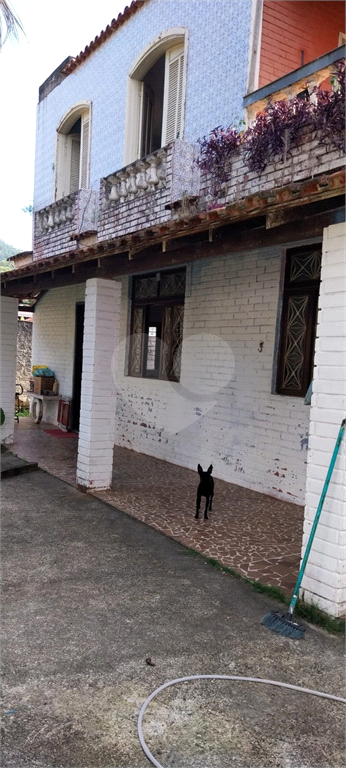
(104, 35)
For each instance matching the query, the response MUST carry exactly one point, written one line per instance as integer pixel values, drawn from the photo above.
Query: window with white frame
(161, 101)
(155, 105)
(72, 152)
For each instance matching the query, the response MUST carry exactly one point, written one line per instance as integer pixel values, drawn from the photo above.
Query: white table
(37, 402)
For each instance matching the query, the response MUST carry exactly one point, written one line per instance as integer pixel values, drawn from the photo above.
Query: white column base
(324, 582)
(97, 414)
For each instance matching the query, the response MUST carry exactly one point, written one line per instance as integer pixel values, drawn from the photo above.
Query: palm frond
(11, 21)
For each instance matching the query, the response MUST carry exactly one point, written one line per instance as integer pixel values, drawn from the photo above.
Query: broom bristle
(283, 625)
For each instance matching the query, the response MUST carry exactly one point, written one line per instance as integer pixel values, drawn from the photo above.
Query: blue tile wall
(218, 53)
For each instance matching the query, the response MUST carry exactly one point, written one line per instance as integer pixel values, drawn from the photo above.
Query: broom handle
(317, 517)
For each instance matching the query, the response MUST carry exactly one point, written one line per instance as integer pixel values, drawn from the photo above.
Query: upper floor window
(161, 97)
(72, 152)
(299, 320)
(155, 104)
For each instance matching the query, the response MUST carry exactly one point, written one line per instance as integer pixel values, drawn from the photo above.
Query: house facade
(183, 318)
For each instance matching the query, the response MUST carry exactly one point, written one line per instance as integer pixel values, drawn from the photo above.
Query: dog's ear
(199, 469)
(210, 469)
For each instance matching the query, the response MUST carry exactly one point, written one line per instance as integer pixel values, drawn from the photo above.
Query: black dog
(205, 488)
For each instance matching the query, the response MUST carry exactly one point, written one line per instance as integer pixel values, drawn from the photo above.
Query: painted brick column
(9, 323)
(324, 582)
(97, 415)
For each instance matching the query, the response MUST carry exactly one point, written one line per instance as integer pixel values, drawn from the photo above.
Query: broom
(284, 623)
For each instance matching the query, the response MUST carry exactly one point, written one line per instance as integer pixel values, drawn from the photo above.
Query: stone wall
(24, 347)
(9, 312)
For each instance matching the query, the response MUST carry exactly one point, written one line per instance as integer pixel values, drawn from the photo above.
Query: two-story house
(183, 320)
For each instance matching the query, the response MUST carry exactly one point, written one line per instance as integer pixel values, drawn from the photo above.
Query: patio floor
(256, 535)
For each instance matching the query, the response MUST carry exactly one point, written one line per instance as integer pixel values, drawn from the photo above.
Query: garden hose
(219, 677)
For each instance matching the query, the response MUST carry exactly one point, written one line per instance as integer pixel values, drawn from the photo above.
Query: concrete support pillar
(9, 324)
(324, 582)
(97, 414)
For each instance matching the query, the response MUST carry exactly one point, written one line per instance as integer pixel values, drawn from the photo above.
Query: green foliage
(24, 412)
(6, 266)
(6, 251)
(28, 209)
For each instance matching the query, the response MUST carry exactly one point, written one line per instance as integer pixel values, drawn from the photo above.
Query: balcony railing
(60, 213)
(168, 183)
(137, 179)
(143, 193)
(58, 223)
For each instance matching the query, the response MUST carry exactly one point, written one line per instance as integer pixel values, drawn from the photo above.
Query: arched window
(72, 151)
(156, 92)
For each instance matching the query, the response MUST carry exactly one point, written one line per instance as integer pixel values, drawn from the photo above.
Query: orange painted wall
(290, 26)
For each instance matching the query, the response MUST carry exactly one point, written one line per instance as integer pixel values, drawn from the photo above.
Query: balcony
(144, 193)
(169, 184)
(138, 196)
(58, 226)
(305, 78)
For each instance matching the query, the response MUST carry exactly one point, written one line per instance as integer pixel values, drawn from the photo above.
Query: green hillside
(5, 252)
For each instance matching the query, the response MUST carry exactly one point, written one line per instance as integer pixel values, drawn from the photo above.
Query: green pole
(317, 517)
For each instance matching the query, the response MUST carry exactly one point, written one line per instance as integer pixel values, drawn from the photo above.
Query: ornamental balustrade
(78, 209)
(137, 179)
(58, 214)
(58, 223)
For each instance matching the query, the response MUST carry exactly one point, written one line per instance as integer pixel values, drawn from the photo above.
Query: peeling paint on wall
(244, 430)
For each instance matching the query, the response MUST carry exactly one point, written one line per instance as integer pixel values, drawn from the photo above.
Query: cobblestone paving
(256, 535)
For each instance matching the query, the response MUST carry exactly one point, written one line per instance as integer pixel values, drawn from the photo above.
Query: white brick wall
(303, 162)
(325, 579)
(53, 338)
(9, 322)
(223, 411)
(97, 418)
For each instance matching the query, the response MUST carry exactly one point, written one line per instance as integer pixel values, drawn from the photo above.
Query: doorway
(78, 363)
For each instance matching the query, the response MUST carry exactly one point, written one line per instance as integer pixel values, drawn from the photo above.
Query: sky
(53, 31)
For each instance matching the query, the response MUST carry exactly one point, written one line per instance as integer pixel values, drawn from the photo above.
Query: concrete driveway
(88, 593)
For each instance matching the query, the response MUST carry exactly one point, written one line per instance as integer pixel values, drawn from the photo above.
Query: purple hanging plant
(217, 151)
(329, 111)
(275, 131)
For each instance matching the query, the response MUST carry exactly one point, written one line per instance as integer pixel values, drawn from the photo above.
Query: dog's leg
(198, 504)
(211, 499)
(206, 508)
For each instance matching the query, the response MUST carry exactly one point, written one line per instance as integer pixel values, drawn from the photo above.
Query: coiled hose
(219, 677)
